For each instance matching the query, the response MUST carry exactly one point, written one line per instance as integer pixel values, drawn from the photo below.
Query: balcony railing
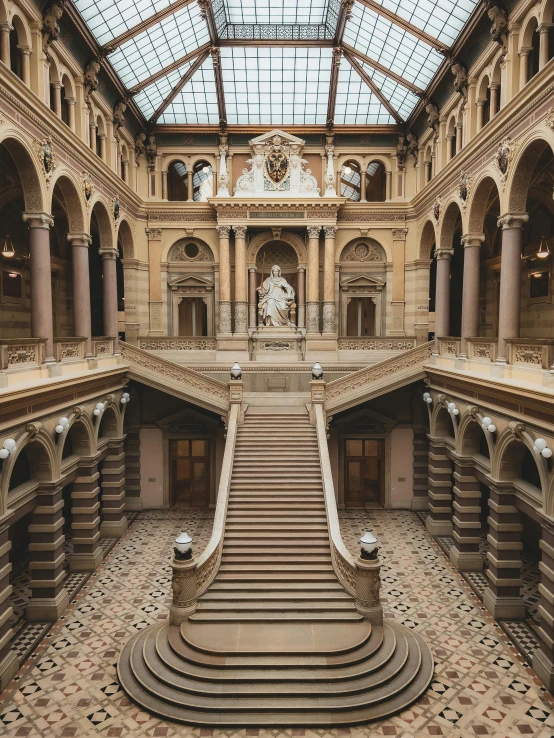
(21, 352)
(482, 349)
(69, 349)
(178, 343)
(376, 343)
(531, 352)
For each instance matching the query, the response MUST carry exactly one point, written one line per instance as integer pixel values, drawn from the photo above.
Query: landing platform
(276, 638)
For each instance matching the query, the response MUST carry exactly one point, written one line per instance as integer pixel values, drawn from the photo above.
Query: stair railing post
(317, 387)
(236, 397)
(183, 584)
(368, 584)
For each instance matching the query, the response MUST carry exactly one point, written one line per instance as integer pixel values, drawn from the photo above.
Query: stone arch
(529, 27)
(522, 171)
(207, 240)
(547, 11)
(427, 239)
(292, 239)
(470, 433)
(65, 74)
(81, 432)
(108, 423)
(100, 210)
(510, 451)
(125, 236)
(73, 202)
(21, 26)
(28, 170)
(177, 158)
(483, 85)
(480, 201)
(40, 451)
(452, 122)
(3, 12)
(448, 225)
(375, 253)
(442, 423)
(177, 251)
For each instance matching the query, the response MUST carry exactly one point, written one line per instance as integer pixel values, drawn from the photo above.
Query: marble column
(57, 98)
(92, 136)
(398, 280)
(363, 180)
(42, 322)
(439, 521)
(466, 519)
(155, 280)
(495, 101)
(190, 186)
(329, 280)
(388, 185)
(301, 298)
(48, 597)
(312, 317)
(114, 521)
(543, 659)
(224, 280)
(543, 30)
(252, 298)
(470, 295)
(25, 52)
(71, 102)
(103, 146)
(9, 663)
(81, 287)
(5, 29)
(442, 294)
(109, 293)
(510, 281)
(459, 138)
(502, 596)
(164, 184)
(449, 139)
(85, 526)
(523, 67)
(241, 301)
(480, 113)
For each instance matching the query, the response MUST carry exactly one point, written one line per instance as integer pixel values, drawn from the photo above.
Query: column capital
(252, 269)
(71, 100)
(330, 231)
(314, 231)
(399, 234)
(79, 239)
(239, 231)
(154, 234)
(525, 52)
(444, 253)
(108, 253)
(512, 220)
(38, 220)
(494, 86)
(472, 239)
(6, 27)
(223, 231)
(544, 27)
(301, 268)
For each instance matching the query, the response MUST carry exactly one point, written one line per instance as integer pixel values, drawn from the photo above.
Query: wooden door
(364, 466)
(189, 472)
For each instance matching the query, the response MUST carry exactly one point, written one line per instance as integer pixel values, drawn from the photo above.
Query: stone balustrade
(376, 343)
(531, 352)
(482, 349)
(177, 343)
(103, 346)
(448, 346)
(21, 352)
(69, 349)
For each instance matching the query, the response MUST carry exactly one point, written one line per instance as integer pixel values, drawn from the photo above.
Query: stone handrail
(343, 562)
(176, 379)
(177, 343)
(376, 343)
(208, 562)
(372, 381)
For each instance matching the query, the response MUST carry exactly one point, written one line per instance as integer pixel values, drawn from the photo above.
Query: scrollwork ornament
(437, 209)
(46, 157)
(503, 158)
(464, 188)
(88, 188)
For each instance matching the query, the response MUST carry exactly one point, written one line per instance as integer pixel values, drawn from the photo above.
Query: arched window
(202, 187)
(21, 471)
(16, 58)
(531, 48)
(376, 182)
(529, 470)
(66, 96)
(177, 190)
(428, 164)
(100, 139)
(350, 180)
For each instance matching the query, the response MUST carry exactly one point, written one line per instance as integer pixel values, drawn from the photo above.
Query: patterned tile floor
(68, 688)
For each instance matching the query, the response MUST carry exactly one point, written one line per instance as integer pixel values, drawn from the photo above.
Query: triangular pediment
(367, 421)
(191, 280)
(362, 280)
(187, 420)
(288, 137)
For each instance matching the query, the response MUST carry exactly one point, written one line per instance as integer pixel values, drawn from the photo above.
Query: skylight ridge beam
(406, 26)
(333, 85)
(373, 87)
(167, 70)
(383, 70)
(179, 86)
(118, 41)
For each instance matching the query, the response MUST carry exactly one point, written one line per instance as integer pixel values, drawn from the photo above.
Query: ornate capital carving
(399, 234)
(314, 231)
(512, 220)
(223, 231)
(516, 429)
(444, 253)
(154, 234)
(38, 220)
(472, 239)
(330, 231)
(239, 231)
(79, 239)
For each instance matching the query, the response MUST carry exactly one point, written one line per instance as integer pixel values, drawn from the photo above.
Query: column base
(466, 560)
(86, 561)
(504, 608)
(9, 666)
(374, 615)
(420, 503)
(178, 615)
(439, 527)
(113, 528)
(544, 668)
(47, 609)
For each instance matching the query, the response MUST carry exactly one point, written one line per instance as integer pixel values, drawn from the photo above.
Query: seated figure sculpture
(276, 298)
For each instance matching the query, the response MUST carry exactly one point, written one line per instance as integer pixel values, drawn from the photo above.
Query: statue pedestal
(277, 344)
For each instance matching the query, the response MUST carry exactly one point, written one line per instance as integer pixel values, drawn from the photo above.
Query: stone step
(219, 596)
(240, 606)
(288, 576)
(258, 568)
(261, 552)
(276, 587)
(312, 615)
(283, 519)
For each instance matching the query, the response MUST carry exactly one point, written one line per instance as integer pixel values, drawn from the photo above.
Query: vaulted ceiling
(276, 62)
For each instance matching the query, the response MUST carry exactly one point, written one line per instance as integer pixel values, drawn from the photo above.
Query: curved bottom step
(375, 684)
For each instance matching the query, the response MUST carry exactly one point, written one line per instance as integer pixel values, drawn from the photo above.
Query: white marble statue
(276, 297)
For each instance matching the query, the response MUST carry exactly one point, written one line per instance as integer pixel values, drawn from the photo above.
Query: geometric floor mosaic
(481, 687)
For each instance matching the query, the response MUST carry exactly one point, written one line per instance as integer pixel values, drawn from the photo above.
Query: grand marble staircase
(276, 640)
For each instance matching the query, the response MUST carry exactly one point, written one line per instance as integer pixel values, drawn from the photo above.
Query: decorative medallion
(277, 166)
(191, 252)
(503, 157)
(88, 187)
(464, 188)
(116, 209)
(46, 156)
(363, 252)
(437, 209)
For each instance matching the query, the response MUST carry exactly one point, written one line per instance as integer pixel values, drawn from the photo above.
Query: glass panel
(354, 476)
(373, 448)
(180, 448)
(150, 99)
(444, 20)
(275, 11)
(355, 102)
(197, 101)
(181, 480)
(199, 448)
(200, 477)
(158, 46)
(401, 99)
(107, 20)
(276, 85)
(354, 448)
(390, 45)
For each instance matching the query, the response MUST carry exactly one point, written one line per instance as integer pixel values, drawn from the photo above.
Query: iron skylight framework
(276, 62)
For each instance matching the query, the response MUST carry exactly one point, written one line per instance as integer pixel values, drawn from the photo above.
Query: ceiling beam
(207, 13)
(170, 68)
(335, 68)
(405, 25)
(143, 25)
(384, 70)
(216, 58)
(373, 87)
(177, 89)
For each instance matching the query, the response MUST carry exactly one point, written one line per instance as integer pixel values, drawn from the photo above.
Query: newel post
(317, 388)
(183, 582)
(368, 581)
(236, 394)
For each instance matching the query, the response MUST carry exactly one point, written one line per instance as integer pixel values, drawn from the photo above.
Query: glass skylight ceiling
(265, 83)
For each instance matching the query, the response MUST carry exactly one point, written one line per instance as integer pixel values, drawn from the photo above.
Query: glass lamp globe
(183, 545)
(369, 542)
(317, 371)
(236, 371)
